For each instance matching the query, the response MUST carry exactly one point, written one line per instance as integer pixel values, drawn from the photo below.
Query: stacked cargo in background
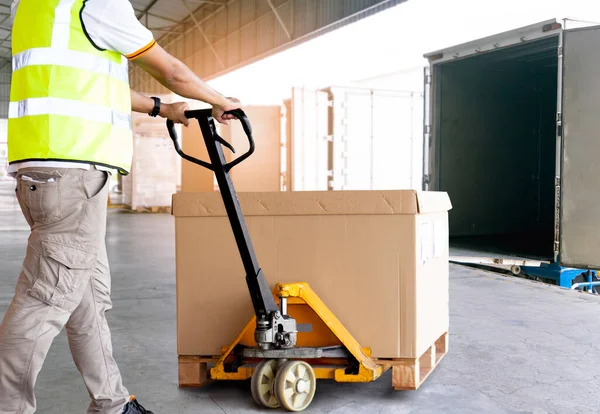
(353, 138)
(260, 172)
(155, 173)
(336, 138)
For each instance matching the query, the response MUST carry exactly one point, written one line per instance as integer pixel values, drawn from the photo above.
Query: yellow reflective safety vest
(69, 101)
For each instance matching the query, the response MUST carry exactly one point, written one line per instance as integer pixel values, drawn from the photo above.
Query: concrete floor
(515, 346)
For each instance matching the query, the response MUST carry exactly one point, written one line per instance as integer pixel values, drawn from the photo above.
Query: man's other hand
(230, 104)
(175, 112)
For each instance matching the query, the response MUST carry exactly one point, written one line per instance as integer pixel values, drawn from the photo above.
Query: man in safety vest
(69, 128)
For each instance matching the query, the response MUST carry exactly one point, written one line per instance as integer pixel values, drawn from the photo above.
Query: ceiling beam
(167, 19)
(147, 9)
(204, 19)
(279, 19)
(168, 29)
(217, 2)
(5, 39)
(208, 42)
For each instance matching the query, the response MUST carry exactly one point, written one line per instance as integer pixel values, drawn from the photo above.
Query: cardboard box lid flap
(391, 202)
(433, 201)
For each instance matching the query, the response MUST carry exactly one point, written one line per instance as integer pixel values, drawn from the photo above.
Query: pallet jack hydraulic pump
(284, 367)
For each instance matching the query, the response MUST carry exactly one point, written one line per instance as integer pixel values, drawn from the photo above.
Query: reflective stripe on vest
(68, 100)
(67, 107)
(75, 59)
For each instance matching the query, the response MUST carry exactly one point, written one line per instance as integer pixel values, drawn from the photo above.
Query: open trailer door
(448, 116)
(580, 116)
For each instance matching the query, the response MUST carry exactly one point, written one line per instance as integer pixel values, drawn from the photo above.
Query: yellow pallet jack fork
(283, 358)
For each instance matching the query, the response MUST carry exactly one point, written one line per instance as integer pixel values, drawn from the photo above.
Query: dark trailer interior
(494, 149)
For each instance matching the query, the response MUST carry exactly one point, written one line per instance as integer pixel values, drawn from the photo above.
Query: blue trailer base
(562, 275)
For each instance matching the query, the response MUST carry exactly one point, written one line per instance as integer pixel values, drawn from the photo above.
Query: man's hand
(230, 104)
(175, 112)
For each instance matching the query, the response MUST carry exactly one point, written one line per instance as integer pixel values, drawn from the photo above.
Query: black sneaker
(134, 407)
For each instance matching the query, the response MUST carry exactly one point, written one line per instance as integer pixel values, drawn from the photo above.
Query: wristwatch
(156, 109)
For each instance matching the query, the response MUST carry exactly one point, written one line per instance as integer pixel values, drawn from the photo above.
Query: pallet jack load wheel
(262, 384)
(295, 385)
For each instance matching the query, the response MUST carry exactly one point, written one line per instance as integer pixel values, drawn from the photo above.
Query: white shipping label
(426, 245)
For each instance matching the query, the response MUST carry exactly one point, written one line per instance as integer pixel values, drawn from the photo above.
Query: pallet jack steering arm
(274, 328)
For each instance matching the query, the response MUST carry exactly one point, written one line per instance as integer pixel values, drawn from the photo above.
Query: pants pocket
(62, 271)
(41, 193)
(95, 182)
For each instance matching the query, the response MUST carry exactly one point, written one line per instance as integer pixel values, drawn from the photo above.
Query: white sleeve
(112, 25)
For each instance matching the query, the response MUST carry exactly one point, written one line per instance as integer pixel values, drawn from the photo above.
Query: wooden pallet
(154, 209)
(193, 370)
(410, 373)
(150, 209)
(407, 373)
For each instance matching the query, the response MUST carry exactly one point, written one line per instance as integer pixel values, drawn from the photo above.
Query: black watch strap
(156, 109)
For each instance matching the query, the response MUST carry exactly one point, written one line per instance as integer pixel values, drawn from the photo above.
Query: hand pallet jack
(283, 366)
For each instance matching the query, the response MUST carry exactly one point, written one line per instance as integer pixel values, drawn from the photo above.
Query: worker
(69, 130)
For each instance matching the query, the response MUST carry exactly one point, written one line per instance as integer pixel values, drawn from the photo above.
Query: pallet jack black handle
(201, 114)
(260, 292)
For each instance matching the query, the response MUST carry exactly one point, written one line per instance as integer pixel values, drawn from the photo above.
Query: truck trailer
(512, 133)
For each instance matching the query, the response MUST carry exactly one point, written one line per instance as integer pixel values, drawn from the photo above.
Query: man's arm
(174, 112)
(177, 77)
(113, 25)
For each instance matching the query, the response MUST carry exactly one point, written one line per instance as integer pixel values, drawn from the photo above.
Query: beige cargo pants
(65, 281)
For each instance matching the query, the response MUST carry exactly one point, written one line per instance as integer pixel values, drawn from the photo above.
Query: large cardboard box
(378, 260)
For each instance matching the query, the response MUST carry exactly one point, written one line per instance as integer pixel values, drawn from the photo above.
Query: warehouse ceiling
(172, 19)
(160, 16)
(222, 36)
(214, 37)
(163, 16)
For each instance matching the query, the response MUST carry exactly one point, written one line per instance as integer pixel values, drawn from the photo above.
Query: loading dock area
(387, 224)
(515, 345)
